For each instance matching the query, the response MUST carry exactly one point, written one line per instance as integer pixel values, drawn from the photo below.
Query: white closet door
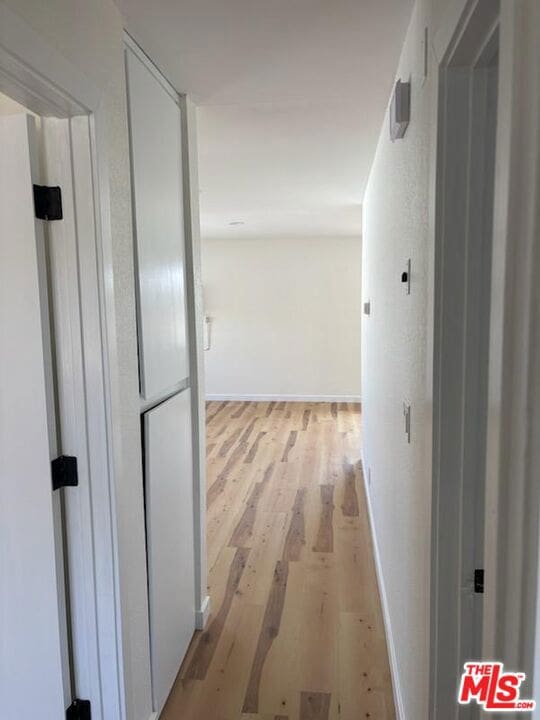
(156, 154)
(169, 524)
(34, 672)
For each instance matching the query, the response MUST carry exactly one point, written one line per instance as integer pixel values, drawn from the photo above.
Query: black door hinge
(79, 710)
(48, 202)
(479, 580)
(64, 472)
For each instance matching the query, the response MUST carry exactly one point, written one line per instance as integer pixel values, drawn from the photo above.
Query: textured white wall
(286, 317)
(90, 36)
(396, 368)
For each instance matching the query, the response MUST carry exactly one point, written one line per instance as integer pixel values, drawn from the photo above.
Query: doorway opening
(468, 88)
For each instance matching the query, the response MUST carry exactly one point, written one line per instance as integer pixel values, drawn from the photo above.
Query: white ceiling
(291, 97)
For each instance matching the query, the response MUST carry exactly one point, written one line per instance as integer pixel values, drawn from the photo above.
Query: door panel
(33, 650)
(156, 154)
(169, 524)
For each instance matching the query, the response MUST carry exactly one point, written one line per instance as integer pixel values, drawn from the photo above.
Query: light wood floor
(296, 631)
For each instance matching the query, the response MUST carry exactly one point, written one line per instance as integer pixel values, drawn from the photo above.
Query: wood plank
(318, 652)
(296, 537)
(289, 446)
(268, 471)
(281, 682)
(229, 442)
(229, 672)
(238, 413)
(210, 417)
(218, 486)
(244, 530)
(314, 706)
(248, 430)
(225, 512)
(208, 640)
(267, 547)
(325, 535)
(350, 498)
(269, 630)
(364, 678)
(253, 449)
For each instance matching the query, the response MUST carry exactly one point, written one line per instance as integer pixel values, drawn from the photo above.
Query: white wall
(396, 368)
(89, 35)
(285, 317)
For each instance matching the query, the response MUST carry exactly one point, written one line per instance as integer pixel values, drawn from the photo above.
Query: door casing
(37, 76)
(466, 127)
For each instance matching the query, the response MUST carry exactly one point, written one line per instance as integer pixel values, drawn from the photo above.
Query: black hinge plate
(48, 202)
(64, 472)
(479, 581)
(79, 710)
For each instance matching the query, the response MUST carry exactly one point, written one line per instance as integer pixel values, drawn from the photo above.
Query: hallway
(296, 630)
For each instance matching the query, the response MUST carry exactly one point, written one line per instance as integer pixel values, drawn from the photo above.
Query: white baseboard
(153, 716)
(396, 686)
(202, 615)
(285, 398)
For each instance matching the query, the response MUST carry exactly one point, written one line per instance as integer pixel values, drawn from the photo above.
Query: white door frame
(40, 78)
(462, 283)
(513, 453)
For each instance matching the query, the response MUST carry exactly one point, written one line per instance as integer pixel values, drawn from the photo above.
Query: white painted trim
(202, 615)
(461, 246)
(150, 65)
(195, 312)
(285, 398)
(72, 258)
(513, 458)
(110, 389)
(38, 75)
(390, 644)
(454, 15)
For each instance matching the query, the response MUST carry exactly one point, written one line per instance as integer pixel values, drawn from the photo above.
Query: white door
(34, 668)
(156, 159)
(169, 520)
